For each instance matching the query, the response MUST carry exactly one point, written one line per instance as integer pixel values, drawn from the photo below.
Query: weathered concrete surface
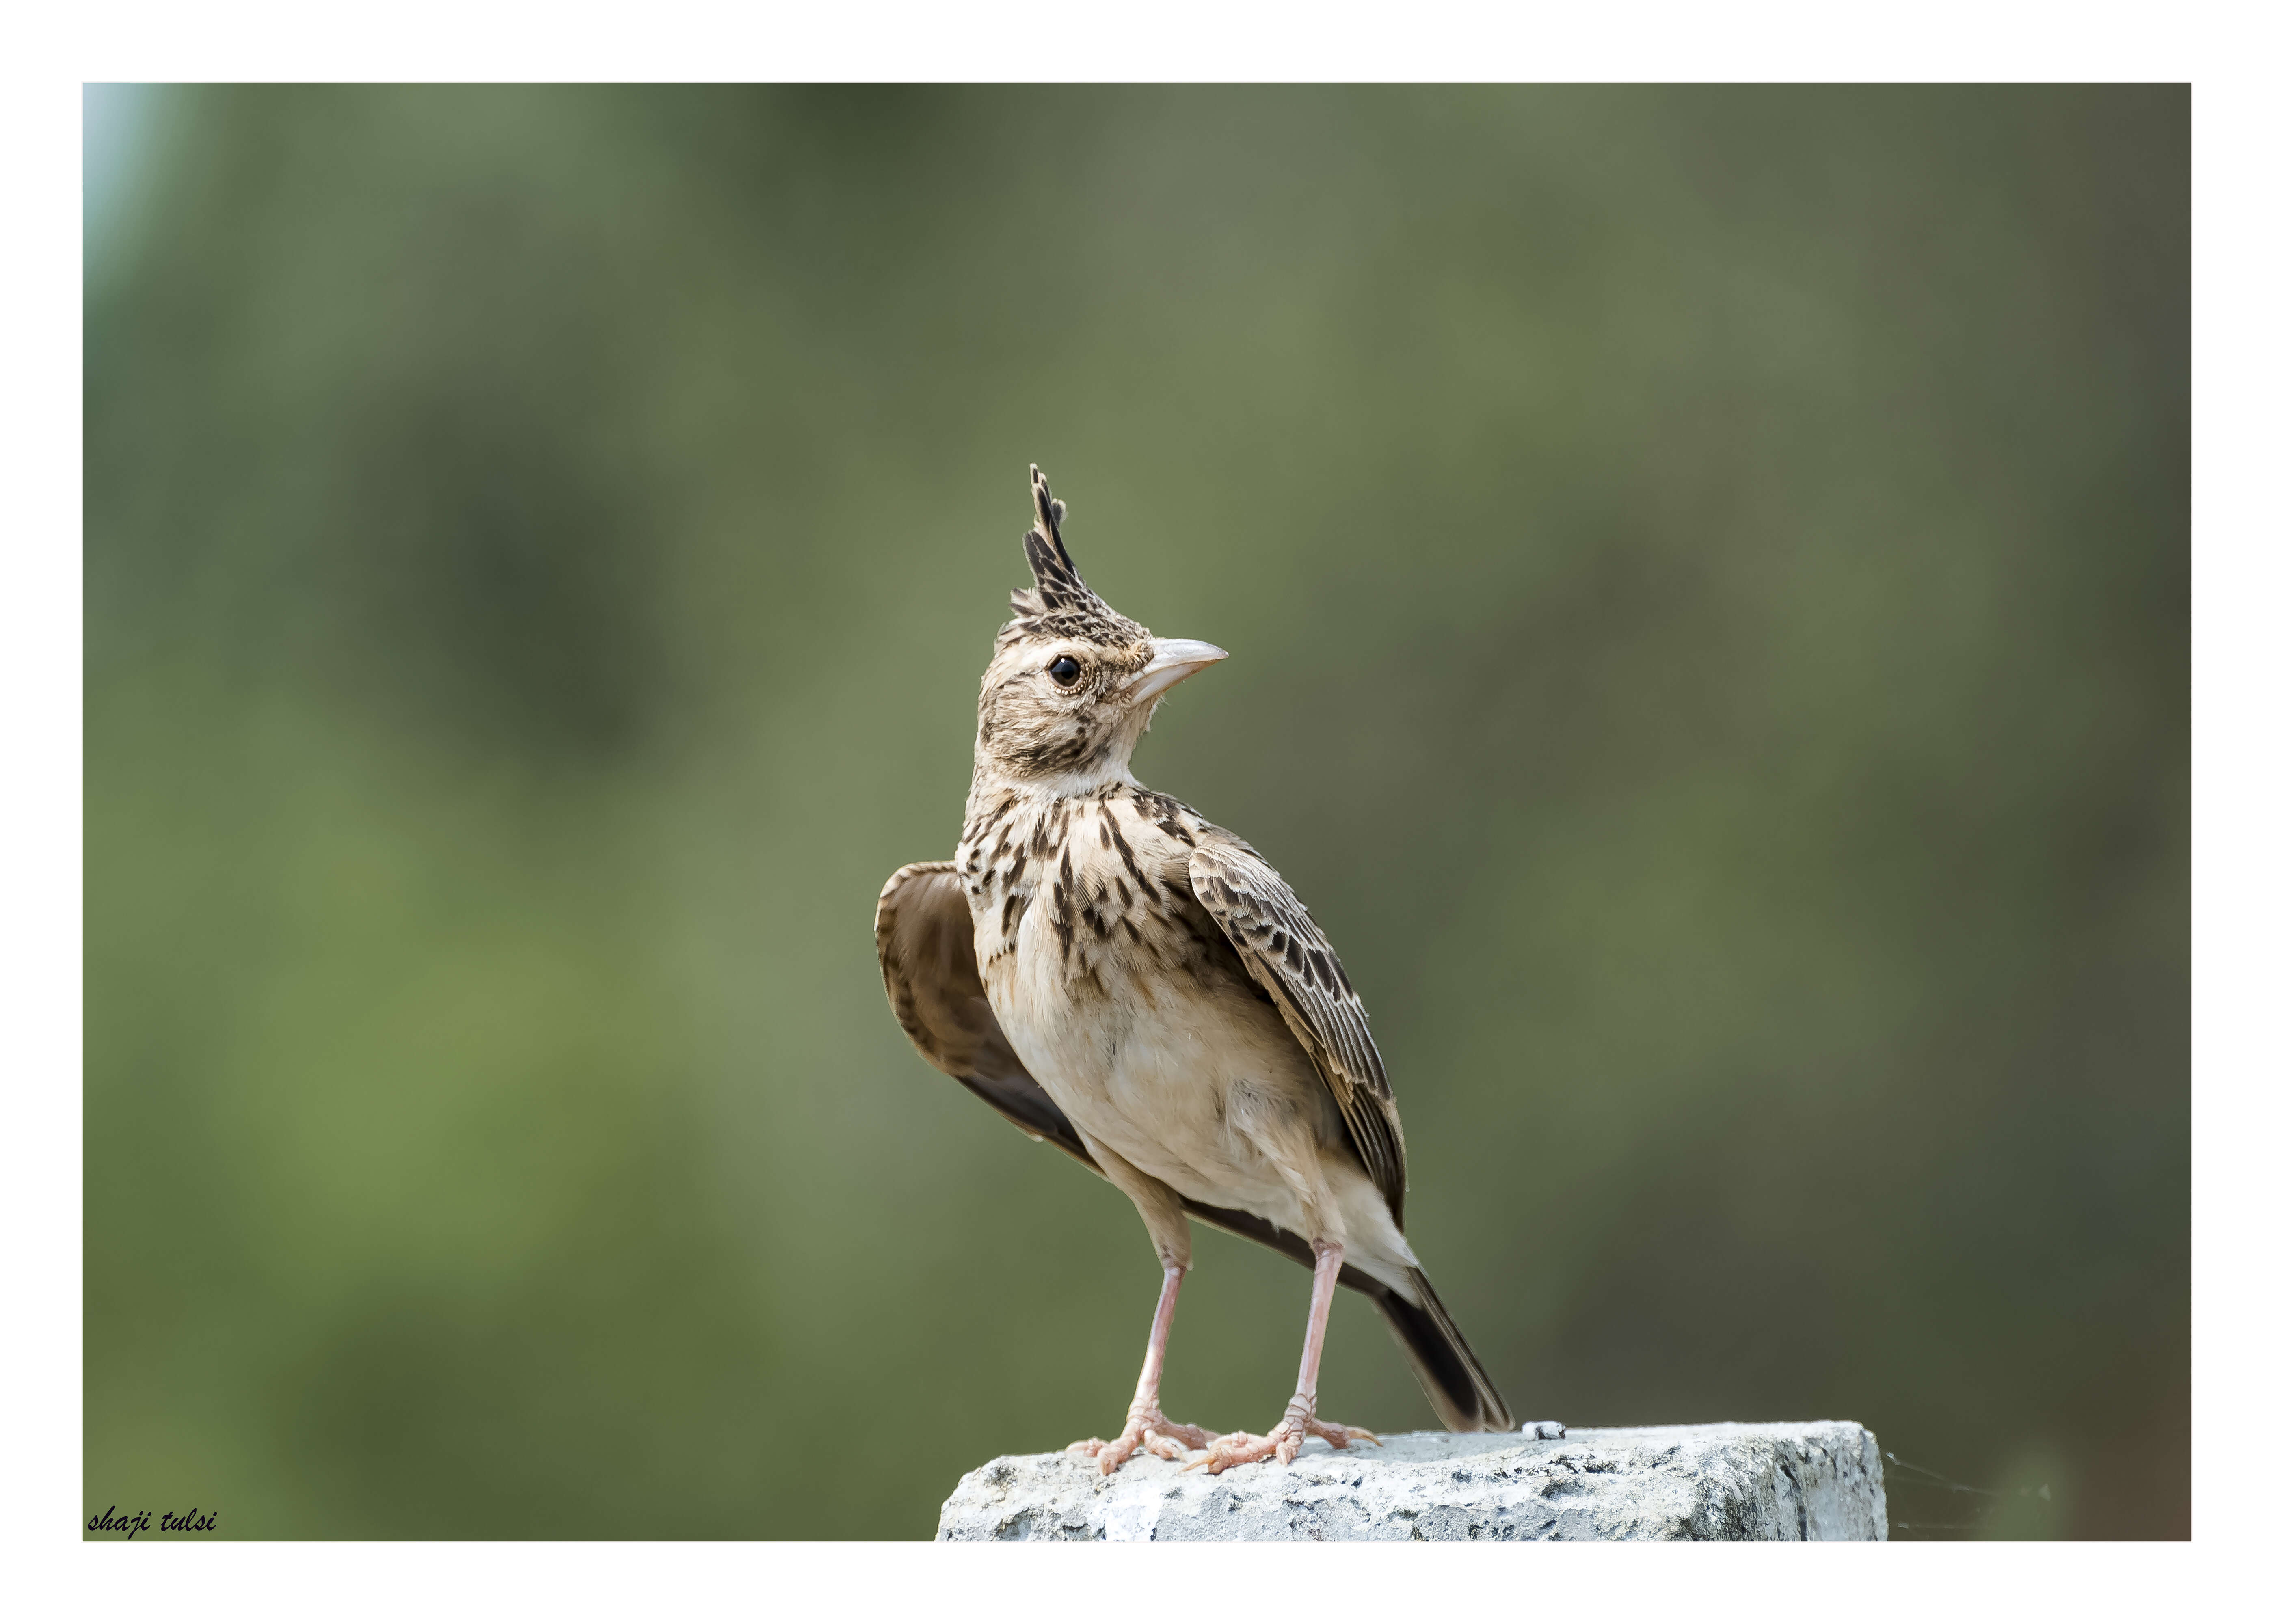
(1779, 1480)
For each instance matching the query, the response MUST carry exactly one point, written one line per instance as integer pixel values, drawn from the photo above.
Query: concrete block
(1779, 1480)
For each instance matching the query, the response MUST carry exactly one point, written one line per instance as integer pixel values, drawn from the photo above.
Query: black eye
(1066, 670)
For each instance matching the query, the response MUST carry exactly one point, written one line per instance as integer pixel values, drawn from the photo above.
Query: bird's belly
(1147, 1071)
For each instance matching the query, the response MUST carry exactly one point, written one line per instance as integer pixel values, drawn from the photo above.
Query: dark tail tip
(1460, 1392)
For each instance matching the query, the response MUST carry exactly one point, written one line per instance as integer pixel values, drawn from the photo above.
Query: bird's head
(1072, 685)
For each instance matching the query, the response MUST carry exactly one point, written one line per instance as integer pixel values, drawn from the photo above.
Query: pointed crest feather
(1060, 603)
(1057, 584)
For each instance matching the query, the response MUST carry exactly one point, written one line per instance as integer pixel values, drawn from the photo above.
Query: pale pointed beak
(1174, 659)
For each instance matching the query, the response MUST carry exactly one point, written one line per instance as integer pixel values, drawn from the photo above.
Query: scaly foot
(1147, 1429)
(1285, 1441)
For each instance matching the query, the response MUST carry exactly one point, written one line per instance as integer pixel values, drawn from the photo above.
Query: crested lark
(1123, 979)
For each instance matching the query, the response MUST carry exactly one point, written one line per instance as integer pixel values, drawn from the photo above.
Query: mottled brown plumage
(1123, 979)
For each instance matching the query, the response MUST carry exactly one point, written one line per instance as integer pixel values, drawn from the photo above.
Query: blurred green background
(1706, 573)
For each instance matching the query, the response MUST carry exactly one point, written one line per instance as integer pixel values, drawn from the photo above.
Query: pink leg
(1157, 1344)
(1323, 1275)
(1146, 1427)
(1286, 1440)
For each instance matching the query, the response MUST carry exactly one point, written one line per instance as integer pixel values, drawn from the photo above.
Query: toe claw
(1284, 1442)
(1148, 1430)
(1341, 1437)
(1191, 1436)
(1235, 1449)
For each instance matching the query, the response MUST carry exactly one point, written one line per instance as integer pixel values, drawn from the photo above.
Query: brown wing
(1290, 959)
(931, 975)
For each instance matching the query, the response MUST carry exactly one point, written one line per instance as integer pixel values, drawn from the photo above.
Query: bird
(1137, 987)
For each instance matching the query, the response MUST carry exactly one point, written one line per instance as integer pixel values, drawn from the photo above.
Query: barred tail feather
(1450, 1372)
